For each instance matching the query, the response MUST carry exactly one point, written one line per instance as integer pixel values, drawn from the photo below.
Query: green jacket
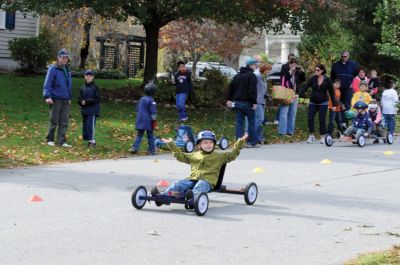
(206, 166)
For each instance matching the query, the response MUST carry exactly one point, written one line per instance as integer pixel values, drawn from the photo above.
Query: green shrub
(32, 54)
(165, 92)
(210, 92)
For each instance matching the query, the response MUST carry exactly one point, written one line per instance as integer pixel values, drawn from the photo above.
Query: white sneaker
(322, 141)
(276, 122)
(311, 139)
(66, 145)
(50, 143)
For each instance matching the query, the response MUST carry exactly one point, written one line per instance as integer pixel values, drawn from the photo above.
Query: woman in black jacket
(321, 86)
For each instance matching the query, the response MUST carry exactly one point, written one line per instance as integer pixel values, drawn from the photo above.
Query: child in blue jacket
(146, 119)
(362, 123)
(89, 100)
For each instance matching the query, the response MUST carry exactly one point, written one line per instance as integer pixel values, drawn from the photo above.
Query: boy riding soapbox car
(360, 138)
(200, 202)
(185, 139)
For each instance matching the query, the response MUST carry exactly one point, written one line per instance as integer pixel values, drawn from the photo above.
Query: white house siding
(25, 26)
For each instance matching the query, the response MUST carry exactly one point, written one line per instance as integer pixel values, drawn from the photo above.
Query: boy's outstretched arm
(176, 151)
(230, 156)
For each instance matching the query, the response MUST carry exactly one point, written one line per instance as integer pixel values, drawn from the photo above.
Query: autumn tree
(197, 38)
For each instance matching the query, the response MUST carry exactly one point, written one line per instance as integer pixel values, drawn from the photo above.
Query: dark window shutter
(10, 20)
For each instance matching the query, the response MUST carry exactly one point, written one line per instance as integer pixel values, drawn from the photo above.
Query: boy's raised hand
(165, 140)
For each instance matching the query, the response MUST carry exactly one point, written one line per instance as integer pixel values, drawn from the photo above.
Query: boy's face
(181, 68)
(372, 110)
(374, 74)
(361, 111)
(207, 145)
(89, 78)
(336, 85)
(363, 88)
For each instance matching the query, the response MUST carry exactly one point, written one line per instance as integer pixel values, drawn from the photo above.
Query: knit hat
(63, 52)
(89, 72)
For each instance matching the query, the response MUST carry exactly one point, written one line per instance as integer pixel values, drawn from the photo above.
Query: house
(14, 25)
(276, 46)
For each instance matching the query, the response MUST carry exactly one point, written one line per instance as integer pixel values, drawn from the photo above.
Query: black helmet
(360, 105)
(206, 135)
(150, 89)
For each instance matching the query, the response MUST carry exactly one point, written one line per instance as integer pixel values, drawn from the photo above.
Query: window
(2, 19)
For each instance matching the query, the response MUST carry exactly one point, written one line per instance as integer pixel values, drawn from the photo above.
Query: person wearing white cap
(57, 92)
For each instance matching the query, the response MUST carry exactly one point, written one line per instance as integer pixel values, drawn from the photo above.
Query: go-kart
(360, 140)
(199, 203)
(185, 139)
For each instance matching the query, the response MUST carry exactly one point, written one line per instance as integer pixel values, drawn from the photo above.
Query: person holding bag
(288, 110)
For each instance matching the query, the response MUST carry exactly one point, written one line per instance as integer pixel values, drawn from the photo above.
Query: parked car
(201, 67)
(275, 74)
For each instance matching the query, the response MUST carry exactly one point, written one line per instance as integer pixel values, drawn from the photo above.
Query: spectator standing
(389, 102)
(183, 82)
(146, 115)
(361, 77)
(58, 93)
(287, 113)
(261, 94)
(242, 96)
(321, 87)
(345, 70)
(374, 83)
(89, 100)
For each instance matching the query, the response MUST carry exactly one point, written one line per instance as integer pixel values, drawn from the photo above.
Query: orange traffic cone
(35, 198)
(162, 183)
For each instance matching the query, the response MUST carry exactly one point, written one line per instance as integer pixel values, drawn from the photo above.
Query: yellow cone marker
(388, 153)
(258, 170)
(326, 161)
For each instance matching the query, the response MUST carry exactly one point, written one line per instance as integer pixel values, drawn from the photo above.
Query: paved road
(306, 213)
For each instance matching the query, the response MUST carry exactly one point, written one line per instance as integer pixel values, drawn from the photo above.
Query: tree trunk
(150, 66)
(85, 44)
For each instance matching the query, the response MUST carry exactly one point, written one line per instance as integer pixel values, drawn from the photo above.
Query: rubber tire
(198, 203)
(135, 204)
(389, 138)
(221, 145)
(361, 141)
(328, 140)
(246, 193)
(189, 146)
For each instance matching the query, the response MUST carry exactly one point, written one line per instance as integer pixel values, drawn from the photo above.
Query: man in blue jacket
(57, 91)
(345, 70)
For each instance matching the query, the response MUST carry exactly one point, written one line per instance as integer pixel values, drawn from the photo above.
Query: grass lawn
(388, 257)
(24, 122)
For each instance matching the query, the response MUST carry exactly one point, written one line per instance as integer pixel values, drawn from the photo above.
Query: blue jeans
(181, 105)
(390, 122)
(150, 140)
(287, 118)
(243, 109)
(186, 184)
(259, 119)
